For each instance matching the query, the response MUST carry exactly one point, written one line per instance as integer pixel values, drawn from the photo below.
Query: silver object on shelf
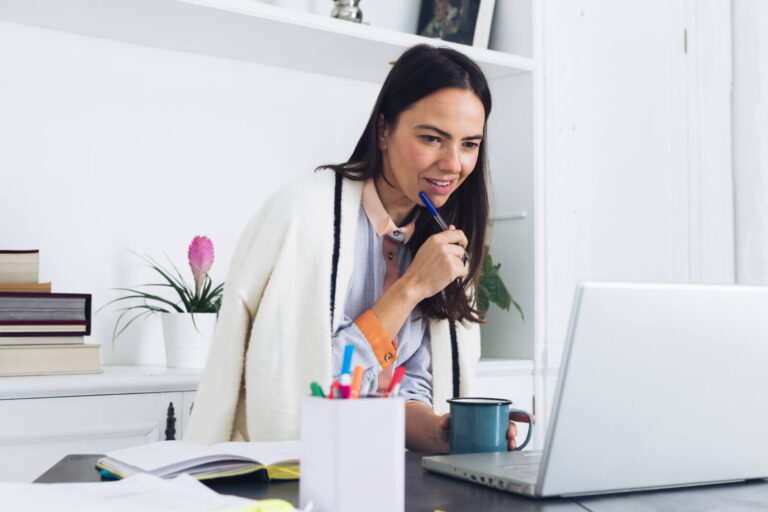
(347, 10)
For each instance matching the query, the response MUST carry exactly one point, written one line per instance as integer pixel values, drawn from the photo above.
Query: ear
(383, 132)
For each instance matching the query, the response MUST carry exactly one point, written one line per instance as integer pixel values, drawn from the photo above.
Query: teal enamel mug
(480, 425)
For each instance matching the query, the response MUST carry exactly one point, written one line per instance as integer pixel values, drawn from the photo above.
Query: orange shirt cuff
(377, 336)
(417, 403)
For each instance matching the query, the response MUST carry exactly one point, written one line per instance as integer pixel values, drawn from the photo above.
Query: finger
(455, 250)
(445, 421)
(453, 236)
(458, 269)
(518, 416)
(512, 431)
(512, 445)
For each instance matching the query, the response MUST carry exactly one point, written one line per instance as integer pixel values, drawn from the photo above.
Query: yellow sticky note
(266, 506)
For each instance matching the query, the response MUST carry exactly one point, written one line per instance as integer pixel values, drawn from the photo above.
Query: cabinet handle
(170, 423)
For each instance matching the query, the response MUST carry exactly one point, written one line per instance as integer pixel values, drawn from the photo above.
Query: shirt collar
(380, 219)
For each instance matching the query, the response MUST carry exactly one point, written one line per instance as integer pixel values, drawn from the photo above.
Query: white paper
(139, 493)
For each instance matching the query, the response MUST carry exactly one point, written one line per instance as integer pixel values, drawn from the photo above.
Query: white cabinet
(45, 418)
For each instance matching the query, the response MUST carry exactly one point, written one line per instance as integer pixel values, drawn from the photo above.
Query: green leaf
(116, 333)
(148, 296)
(491, 288)
(150, 303)
(178, 285)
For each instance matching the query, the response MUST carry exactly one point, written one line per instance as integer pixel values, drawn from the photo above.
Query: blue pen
(346, 379)
(438, 218)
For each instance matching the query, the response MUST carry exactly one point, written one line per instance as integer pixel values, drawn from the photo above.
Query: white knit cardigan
(283, 298)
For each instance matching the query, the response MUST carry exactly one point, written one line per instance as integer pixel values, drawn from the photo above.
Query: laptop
(661, 385)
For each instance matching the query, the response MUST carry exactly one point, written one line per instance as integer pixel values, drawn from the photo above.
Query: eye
(430, 138)
(471, 145)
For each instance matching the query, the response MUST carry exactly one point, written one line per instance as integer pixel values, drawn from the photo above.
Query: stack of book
(41, 333)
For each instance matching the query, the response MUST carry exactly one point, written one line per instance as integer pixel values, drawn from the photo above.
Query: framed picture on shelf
(459, 21)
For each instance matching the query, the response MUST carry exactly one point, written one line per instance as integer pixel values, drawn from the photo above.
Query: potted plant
(188, 322)
(491, 288)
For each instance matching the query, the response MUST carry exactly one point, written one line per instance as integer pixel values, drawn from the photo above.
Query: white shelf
(245, 30)
(494, 367)
(115, 380)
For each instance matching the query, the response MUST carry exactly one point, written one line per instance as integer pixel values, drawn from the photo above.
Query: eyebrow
(446, 134)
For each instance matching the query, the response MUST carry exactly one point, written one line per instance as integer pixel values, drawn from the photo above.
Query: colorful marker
(346, 379)
(394, 384)
(317, 390)
(335, 391)
(357, 379)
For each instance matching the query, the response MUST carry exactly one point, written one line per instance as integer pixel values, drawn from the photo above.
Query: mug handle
(530, 426)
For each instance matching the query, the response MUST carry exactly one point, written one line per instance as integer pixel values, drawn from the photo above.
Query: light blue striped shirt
(366, 285)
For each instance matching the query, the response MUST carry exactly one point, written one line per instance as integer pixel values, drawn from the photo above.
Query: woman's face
(432, 148)
(441, 9)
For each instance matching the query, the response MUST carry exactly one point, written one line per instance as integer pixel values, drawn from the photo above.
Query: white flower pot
(187, 343)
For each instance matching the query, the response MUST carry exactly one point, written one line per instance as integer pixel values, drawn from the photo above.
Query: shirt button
(396, 233)
(388, 357)
(390, 256)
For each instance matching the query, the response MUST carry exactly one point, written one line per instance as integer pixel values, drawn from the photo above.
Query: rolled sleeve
(348, 333)
(417, 381)
(377, 337)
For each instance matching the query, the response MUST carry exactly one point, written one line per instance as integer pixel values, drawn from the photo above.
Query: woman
(349, 255)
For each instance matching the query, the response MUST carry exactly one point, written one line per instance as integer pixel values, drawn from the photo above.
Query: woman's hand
(425, 431)
(437, 263)
(512, 430)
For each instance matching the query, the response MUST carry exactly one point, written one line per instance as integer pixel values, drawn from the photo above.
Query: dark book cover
(51, 298)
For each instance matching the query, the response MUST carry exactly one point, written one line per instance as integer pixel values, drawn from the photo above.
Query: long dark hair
(419, 72)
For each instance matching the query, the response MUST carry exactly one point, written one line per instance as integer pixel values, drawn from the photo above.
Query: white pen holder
(353, 454)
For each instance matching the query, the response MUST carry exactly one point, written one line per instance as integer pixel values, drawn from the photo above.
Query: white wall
(634, 166)
(636, 157)
(615, 147)
(108, 146)
(750, 139)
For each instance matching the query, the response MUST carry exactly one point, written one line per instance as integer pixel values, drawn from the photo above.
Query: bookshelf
(251, 31)
(245, 30)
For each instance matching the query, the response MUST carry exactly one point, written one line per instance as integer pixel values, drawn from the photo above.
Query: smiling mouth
(440, 183)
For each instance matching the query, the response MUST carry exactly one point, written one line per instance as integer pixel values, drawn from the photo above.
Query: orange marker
(357, 379)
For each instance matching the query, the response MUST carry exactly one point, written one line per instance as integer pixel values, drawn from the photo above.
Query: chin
(440, 201)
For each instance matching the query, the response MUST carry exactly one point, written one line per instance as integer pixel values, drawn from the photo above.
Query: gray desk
(427, 492)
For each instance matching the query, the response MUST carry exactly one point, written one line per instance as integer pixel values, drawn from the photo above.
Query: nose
(450, 160)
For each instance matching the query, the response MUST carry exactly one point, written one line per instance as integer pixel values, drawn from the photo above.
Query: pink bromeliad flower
(200, 260)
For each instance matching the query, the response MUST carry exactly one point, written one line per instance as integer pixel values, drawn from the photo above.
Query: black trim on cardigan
(336, 243)
(454, 358)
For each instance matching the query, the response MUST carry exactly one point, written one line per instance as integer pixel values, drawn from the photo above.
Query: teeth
(440, 183)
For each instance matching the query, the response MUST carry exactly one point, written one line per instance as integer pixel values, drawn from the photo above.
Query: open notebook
(168, 459)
